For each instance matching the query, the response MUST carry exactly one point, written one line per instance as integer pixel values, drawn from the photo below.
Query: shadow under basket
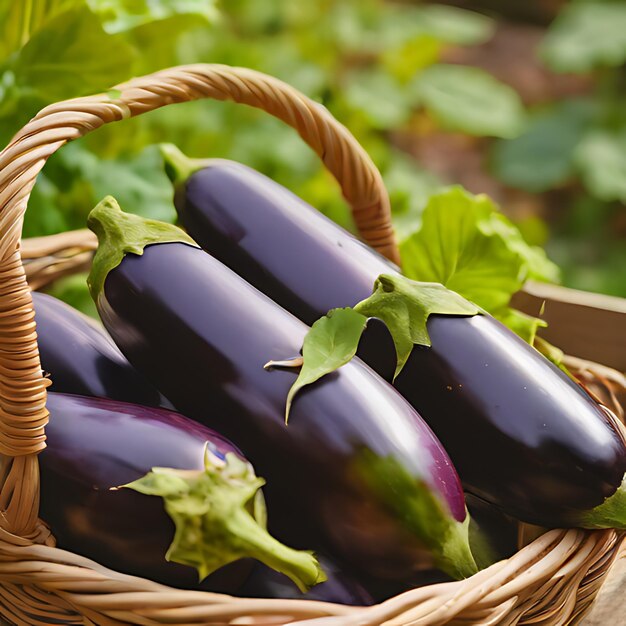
(551, 581)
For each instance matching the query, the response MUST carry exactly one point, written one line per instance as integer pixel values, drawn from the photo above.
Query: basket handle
(23, 414)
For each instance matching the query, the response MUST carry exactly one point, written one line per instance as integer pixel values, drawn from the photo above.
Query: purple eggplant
(96, 445)
(522, 435)
(82, 359)
(340, 588)
(356, 472)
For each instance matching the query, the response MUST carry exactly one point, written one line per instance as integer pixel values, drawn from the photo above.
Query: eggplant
(81, 359)
(96, 445)
(356, 472)
(522, 435)
(340, 588)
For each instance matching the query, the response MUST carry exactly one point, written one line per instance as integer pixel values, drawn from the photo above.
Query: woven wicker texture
(549, 582)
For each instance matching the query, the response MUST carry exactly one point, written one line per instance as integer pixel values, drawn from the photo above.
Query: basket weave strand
(550, 582)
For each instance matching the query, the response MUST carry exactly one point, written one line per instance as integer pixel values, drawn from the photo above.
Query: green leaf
(526, 326)
(160, 41)
(377, 27)
(76, 179)
(405, 305)
(409, 189)
(213, 510)
(465, 244)
(138, 181)
(331, 342)
(121, 15)
(537, 265)
(72, 56)
(380, 97)
(403, 61)
(542, 157)
(19, 19)
(457, 26)
(402, 304)
(470, 100)
(586, 35)
(601, 159)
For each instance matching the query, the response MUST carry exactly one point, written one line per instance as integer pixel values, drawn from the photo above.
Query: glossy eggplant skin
(541, 447)
(82, 359)
(202, 335)
(521, 434)
(276, 241)
(95, 444)
(340, 588)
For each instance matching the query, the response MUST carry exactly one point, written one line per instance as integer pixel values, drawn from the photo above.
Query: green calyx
(219, 514)
(422, 512)
(122, 233)
(404, 305)
(610, 514)
(178, 166)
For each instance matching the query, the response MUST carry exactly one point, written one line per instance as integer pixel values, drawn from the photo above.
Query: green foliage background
(377, 65)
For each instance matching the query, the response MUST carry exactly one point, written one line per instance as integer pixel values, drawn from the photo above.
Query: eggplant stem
(297, 361)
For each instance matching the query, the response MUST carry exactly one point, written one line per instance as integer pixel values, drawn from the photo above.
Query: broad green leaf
(405, 305)
(457, 26)
(542, 157)
(20, 19)
(586, 35)
(121, 15)
(601, 159)
(537, 264)
(405, 60)
(468, 246)
(331, 343)
(159, 42)
(380, 98)
(379, 27)
(470, 100)
(213, 513)
(409, 188)
(137, 180)
(72, 56)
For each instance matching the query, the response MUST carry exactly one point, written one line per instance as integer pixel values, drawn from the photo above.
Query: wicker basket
(551, 581)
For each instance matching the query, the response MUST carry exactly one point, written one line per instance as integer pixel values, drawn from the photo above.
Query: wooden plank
(587, 325)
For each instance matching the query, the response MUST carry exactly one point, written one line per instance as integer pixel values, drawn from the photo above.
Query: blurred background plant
(522, 100)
